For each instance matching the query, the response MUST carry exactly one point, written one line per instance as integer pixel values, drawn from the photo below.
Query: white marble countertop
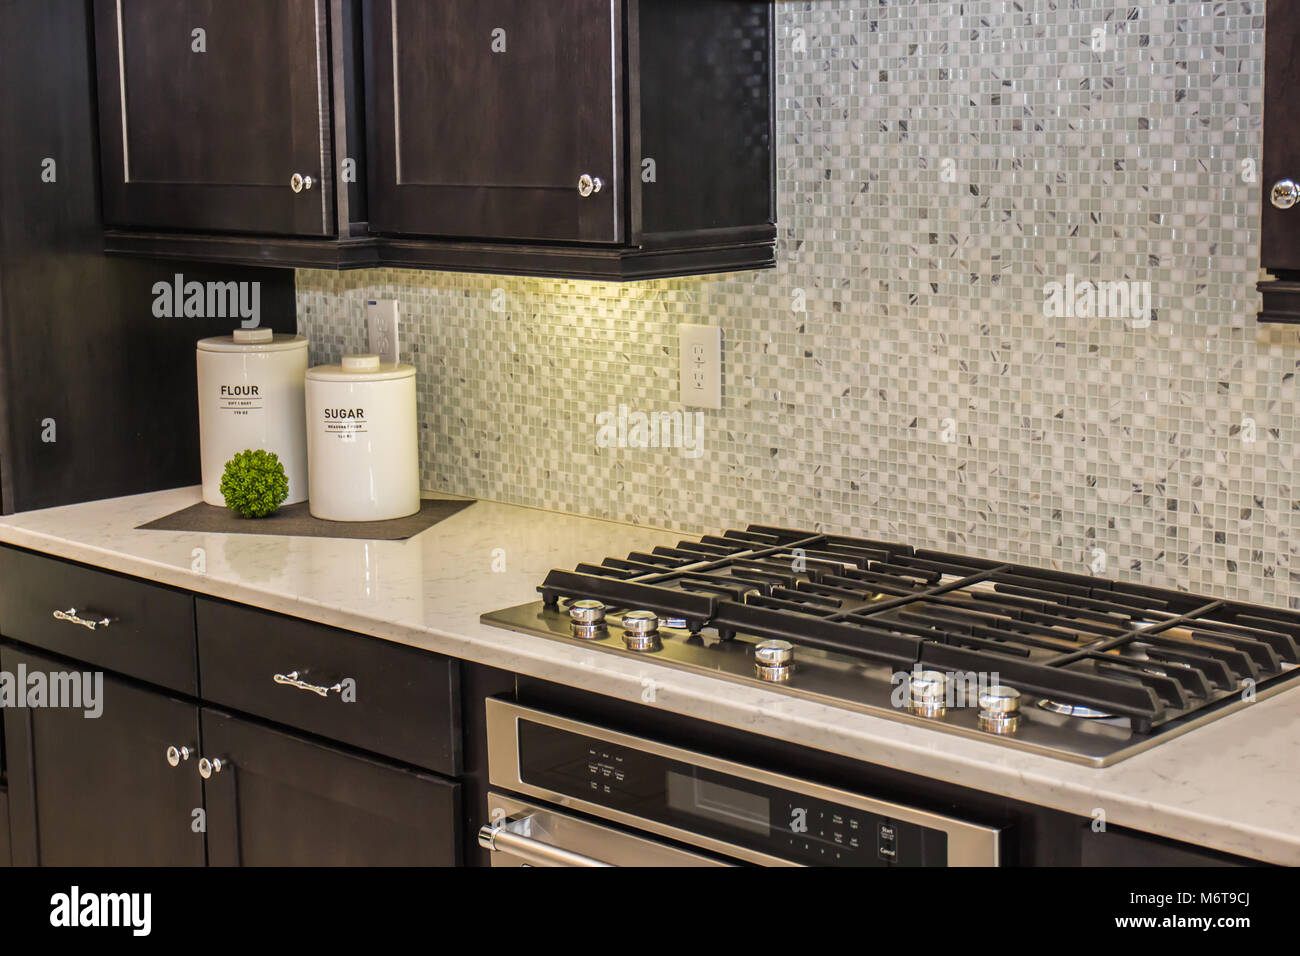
(1233, 785)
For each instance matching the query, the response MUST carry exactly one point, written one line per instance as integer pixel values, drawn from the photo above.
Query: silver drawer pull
(208, 767)
(176, 754)
(511, 837)
(70, 615)
(291, 680)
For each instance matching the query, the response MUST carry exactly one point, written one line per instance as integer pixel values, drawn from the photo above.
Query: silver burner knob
(588, 619)
(641, 631)
(587, 612)
(999, 709)
(927, 693)
(774, 661)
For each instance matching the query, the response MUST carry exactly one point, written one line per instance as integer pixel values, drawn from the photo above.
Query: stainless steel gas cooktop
(1076, 667)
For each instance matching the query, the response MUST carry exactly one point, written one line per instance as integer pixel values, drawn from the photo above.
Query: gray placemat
(297, 520)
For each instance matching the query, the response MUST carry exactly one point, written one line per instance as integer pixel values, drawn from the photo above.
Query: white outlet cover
(701, 365)
(382, 328)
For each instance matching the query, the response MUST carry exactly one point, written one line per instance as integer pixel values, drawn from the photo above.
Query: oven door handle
(511, 836)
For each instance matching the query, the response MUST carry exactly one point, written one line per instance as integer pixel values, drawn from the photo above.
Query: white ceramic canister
(362, 443)
(251, 385)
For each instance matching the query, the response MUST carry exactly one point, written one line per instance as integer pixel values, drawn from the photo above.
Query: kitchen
(859, 430)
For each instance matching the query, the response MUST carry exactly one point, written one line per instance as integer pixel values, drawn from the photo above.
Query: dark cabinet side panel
(282, 800)
(4, 826)
(705, 104)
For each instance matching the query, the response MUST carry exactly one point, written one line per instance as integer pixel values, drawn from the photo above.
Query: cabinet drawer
(377, 696)
(150, 634)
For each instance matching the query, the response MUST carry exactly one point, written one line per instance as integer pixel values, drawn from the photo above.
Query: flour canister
(362, 441)
(251, 386)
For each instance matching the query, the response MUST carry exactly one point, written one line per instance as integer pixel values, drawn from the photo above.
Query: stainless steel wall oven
(569, 793)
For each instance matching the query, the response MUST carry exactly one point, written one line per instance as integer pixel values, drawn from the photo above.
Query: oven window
(725, 805)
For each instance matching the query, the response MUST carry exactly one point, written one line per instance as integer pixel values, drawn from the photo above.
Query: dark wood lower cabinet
(282, 800)
(99, 791)
(4, 826)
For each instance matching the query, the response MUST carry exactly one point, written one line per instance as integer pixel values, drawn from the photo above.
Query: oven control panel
(767, 818)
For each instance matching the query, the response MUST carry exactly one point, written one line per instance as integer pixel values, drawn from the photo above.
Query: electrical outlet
(381, 324)
(701, 372)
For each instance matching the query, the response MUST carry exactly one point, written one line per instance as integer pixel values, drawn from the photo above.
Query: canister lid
(361, 363)
(253, 340)
(361, 368)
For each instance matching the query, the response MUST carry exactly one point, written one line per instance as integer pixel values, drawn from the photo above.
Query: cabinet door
(100, 791)
(208, 109)
(281, 800)
(486, 114)
(1280, 242)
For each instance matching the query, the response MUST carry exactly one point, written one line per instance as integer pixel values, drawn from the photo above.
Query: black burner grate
(1142, 653)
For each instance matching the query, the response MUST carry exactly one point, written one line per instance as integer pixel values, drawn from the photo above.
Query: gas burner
(1074, 710)
(872, 621)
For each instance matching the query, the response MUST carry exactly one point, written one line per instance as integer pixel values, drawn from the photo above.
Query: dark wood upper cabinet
(602, 139)
(1280, 175)
(486, 115)
(215, 116)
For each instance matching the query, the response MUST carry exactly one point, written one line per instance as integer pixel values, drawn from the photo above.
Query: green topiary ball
(254, 484)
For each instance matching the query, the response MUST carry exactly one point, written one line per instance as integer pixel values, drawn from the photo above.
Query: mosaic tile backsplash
(928, 362)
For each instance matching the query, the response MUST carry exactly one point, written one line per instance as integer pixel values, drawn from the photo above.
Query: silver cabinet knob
(298, 182)
(1285, 193)
(176, 754)
(589, 185)
(208, 767)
